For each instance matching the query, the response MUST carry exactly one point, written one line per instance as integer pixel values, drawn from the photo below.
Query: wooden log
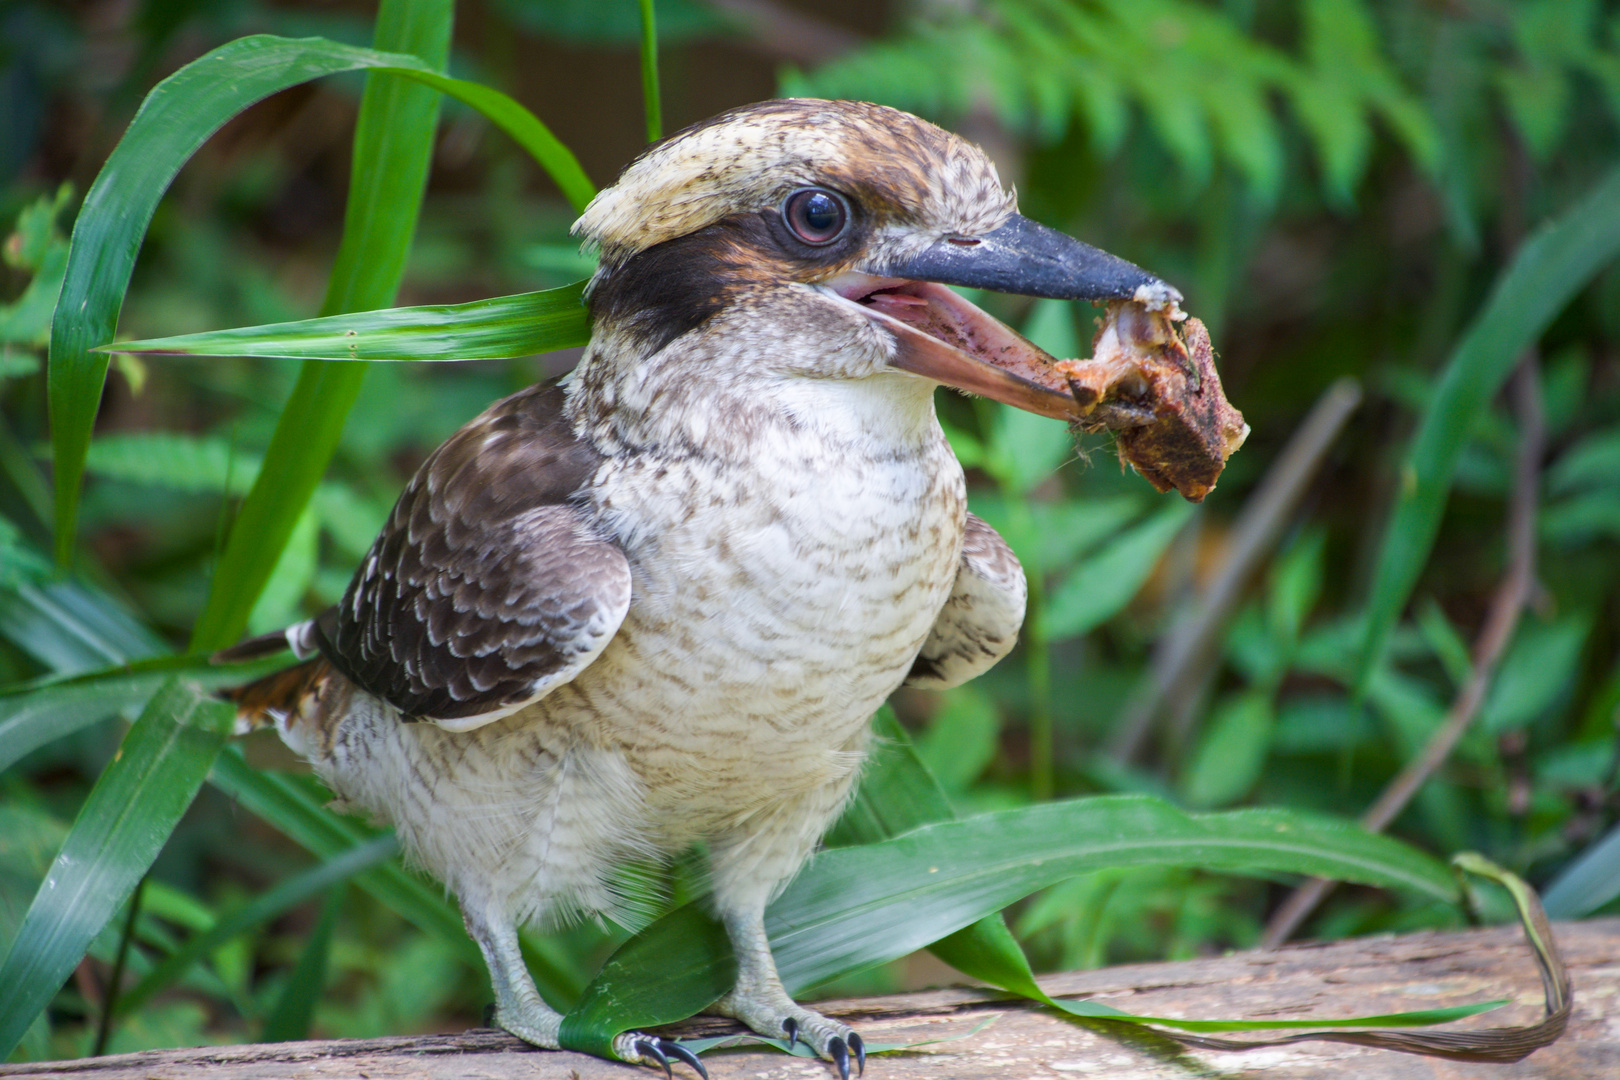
(985, 1036)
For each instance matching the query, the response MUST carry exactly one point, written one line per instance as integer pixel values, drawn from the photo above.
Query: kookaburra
(656, 604)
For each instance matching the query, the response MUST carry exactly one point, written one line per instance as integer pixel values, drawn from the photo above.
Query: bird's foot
(640, 1049)
(536, 1026)
(836, 1042)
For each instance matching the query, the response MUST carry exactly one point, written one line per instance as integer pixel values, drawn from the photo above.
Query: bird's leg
(520, 1010)
(759, 1000)
(518, 1006)
(747, 869)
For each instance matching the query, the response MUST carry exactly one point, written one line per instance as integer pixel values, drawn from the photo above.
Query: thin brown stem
(1507, 604)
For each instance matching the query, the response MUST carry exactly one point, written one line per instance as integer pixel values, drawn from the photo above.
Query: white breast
(779, 597)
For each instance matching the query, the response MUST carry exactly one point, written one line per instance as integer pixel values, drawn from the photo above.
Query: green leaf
(1051, 535)
(176, 118)
(1238, 111)
(1416, 1018)
(32, 718)
(37, 248)
(961, 739)
(669, 971)
(36, 235)
(1592, 462)
(1105, 581)
(858, 906)
(70, 628)
(295, 1007)
(904, 893)
(1541, 667)
(498, 328)
(287, 893)
(897, 794)
(1548, 270)
(120, 829)
(1294, 587)
(1590, 880)
(176, 460)
(393, 143)
(278, 604)
(649, 72)
(1232, 752)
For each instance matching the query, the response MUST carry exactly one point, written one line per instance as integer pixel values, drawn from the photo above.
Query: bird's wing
(979, 623)
(487, 588)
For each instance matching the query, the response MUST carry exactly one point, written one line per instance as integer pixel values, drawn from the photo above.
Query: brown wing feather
(487, 587)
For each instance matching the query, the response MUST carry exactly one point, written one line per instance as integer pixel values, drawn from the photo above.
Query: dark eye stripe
(816, 216)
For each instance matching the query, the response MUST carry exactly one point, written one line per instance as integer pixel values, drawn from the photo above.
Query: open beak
(939, 335)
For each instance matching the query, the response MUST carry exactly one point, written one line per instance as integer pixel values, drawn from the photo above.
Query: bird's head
(863, 214)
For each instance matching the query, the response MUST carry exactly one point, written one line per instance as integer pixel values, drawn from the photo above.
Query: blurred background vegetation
(1334, 184)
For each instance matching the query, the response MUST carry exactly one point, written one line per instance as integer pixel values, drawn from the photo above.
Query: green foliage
(122, 824)
(1342, 186)
(498, 328)
(1551, 267)
(1204, 86)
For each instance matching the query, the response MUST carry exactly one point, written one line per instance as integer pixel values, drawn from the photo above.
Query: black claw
(859, 1047)
(489, 1015)
(790, 1029)
(840, 1055)
(676, 1050)
(648, 1048)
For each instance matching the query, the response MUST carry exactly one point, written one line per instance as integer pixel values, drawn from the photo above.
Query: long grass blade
(286, 894)
(649, 72)
(31, 719)
(898, 794)
(1553, 265)
(856, 907)
(295, 1007)
(1591, 880)
(120, 829)
(41, 712)
(1498, 1044)
(393, 146)
(178, 116)
(907, 892)
(497, 328)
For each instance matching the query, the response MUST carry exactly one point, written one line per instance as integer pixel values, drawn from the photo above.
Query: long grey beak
(1026, 258)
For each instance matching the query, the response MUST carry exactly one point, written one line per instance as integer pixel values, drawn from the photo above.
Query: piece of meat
(1153, 383)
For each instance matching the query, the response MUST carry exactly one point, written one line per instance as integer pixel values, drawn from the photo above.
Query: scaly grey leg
(759, 1000)
(518, 1006)
(520, 1010)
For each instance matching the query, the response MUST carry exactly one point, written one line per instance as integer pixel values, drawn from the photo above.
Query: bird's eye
(816, 215)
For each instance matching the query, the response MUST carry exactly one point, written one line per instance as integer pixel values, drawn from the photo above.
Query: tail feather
(299, 637)
(278, 697)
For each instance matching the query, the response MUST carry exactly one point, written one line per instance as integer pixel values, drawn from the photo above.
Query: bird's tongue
(940, 335)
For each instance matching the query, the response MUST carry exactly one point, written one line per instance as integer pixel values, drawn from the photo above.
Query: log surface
(986, 1037)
